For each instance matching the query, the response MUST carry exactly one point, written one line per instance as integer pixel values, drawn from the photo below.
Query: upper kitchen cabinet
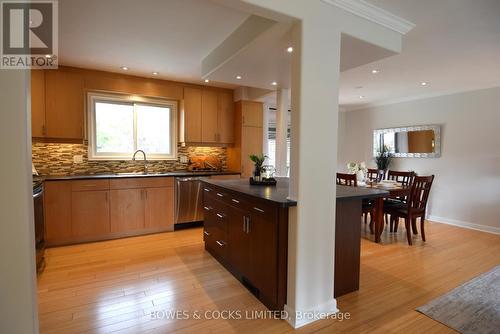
(207, 116)
(64, 100)
(251, 113)
(38, 128)
(209, 129)
(191, 115)
(225, 117)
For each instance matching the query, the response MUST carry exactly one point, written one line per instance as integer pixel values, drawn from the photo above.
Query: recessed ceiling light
(238, 77)
(206, 80)
(423, 83)
(274, 83)
(290, 49)
(361, 96)
(125, 68)
(375, 71)
(155, 73)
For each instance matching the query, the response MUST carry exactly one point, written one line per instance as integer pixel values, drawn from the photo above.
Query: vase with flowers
(358, 168)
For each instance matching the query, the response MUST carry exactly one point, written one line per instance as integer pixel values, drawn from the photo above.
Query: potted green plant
(258, 161)
(383, 158)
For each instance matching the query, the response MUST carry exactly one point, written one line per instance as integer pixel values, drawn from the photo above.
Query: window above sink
(118, 125)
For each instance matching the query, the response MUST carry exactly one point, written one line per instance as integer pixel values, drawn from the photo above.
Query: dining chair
(405, 179)
(375, 175)
(414, 208)
(368, 207)
(345, 179)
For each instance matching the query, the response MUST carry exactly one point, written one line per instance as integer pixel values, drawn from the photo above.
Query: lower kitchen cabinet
(99, 209)
(127, 210)
(249, 237)
(159, 209)
(90, 213)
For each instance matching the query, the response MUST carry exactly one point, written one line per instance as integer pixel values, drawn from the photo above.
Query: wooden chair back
(405, 178)
(344, 179)
(419, 194)
(375, 175)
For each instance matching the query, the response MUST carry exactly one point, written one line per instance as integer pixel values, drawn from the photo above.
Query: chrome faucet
(145, 160)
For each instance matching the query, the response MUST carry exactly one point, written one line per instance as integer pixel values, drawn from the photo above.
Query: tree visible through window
(119, 126)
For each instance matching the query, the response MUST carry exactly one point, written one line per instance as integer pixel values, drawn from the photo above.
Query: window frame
(126, 99)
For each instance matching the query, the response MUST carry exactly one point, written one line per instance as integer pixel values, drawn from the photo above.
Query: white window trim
(93, 96)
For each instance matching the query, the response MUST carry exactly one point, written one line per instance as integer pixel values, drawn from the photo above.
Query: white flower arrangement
(354, 167)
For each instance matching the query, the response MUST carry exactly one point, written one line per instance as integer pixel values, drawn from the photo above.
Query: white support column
(281, 131)
(315, 75)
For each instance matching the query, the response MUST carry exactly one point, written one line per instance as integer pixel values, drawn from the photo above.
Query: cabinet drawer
(86, 185)
(216, 240)
(263, 211)
(141, 182)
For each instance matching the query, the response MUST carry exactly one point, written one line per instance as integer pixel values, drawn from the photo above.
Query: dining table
(395, 190)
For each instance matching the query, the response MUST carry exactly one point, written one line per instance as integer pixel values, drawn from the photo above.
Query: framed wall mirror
(423, 141)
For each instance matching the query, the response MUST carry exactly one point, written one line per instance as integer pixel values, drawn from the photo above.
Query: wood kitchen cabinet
(249, 237)
(159, 209)
(99, 209)
(248, 137)
(209, 130)
(225, 117)
(38, 128)
(90, 214)
(64, 101)
(207, 116)
(127, 210)
(191, 118)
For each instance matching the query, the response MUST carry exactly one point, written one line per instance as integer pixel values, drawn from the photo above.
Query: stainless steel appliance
(188, 201)
(39, 219)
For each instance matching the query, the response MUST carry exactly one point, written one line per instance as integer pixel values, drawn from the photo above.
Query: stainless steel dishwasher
(188, 201)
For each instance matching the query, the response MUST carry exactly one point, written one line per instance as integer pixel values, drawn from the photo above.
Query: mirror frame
(437, 143)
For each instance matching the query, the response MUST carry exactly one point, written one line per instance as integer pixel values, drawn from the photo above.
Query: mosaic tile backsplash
(57, 159)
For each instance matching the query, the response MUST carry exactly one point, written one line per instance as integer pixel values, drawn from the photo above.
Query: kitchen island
(246, 230)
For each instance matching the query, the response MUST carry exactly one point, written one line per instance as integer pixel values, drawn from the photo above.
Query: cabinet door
(263, 254)
(192, 115)
(160, 208)
(252, 113)
(239, 241)
(64, 104)
(127, 210)
(209, 132)
(251, 143)
(37, 103)
(225, 117)
(57, 205)
(90, 213)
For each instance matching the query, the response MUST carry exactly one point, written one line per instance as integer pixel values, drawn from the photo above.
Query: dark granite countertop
(128, 175)
(346, 193)
(279, 193)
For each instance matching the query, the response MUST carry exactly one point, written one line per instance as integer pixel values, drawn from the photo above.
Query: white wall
(466, 190)
(18, 310)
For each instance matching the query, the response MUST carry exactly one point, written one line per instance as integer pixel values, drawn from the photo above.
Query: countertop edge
(121, 176)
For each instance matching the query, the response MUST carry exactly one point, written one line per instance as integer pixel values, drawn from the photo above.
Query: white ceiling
(167, 36)
(455, 47)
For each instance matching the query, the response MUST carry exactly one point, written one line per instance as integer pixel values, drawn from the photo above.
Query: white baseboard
(459, 223)
(301, 318)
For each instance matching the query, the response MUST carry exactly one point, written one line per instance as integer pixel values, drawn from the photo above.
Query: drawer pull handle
(220, 195)
(220, 216)
(257, 209)
(207, 208)
(235, 200)
(221, 243)
(206, 189)
(206, 233)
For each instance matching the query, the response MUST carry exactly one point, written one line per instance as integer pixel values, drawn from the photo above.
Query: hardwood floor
(114, 286)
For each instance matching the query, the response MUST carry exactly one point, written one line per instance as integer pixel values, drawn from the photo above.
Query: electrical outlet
(183, 159)
(78, 159)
